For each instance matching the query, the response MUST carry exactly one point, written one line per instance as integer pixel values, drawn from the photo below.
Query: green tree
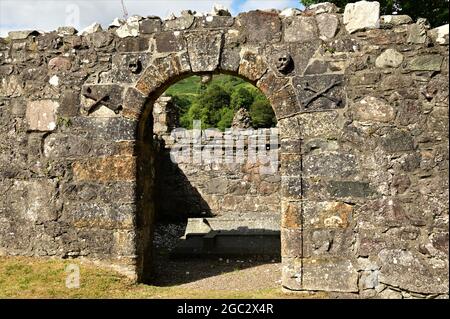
(226, 118)
(436, 11)
(241, 98)
(262, 114)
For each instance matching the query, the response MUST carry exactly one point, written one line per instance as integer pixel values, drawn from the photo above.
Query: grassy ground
(22, 277)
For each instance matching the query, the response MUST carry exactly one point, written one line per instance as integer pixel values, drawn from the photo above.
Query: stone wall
(362, 107)
(217, 188)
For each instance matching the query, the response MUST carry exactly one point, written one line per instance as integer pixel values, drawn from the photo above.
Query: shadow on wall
(177, 199)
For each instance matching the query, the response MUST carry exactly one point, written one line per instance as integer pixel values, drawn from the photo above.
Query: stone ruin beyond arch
(361, 103)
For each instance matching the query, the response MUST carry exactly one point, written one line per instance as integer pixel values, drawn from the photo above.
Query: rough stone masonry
(362, 106)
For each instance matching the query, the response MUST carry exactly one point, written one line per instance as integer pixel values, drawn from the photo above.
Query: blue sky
(47, 15)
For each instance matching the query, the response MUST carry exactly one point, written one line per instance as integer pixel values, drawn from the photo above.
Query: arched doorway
(217, 181)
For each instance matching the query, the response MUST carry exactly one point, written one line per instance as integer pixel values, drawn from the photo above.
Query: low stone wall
(362, 108)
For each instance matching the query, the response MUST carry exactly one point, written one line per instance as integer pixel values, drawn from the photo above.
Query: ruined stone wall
(217, 187)
(362, 107)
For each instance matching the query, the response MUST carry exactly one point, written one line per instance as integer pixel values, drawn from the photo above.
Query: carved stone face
(135, 65)
(284, 63)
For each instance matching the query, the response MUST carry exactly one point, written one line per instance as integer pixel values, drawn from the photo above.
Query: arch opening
(216, 188)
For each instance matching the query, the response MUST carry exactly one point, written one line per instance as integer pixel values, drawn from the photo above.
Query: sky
(48, 15)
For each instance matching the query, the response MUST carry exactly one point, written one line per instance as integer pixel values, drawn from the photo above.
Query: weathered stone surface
(389, 59)
(350, 189)
(417, 33)
(169, 42)
(395, 20)
(21, 35)
(362, 15)
(289, 12)
(323, 7)
(329, 215)
(94, 27)
(320, 92)
(372, 109)
(183, 22)
(204, 51)
(130, 28)
(252, 65)
(300, 29)
(41, 115)
(148, 26)
(425, 63)
(330, 275)
(260, 26)
(440, 34)
(328, 25)
(417, 275)
(398, 141)
(105, 169)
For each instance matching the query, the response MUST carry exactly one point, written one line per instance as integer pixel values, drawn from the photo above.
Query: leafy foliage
(436, 11)
(216, 103)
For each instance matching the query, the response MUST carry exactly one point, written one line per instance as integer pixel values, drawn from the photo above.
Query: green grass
(25, 277)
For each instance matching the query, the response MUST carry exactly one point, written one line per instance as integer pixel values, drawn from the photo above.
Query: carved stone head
(284, 63)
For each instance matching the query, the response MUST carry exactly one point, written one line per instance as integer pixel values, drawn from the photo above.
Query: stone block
(390, 58)
(106, 169)
(398, 141)
(440, 34)
(148, 26)
(41, 115)
(204, 50)
(169, 42)
(320, 124)
(291, 242)
(410, 271)
(330, 274)
(428, 62)
(328, 25)
(92, 215)
(300, 29)
(332, 165)
(371, 109)
(320, 92)
(326, 215)
(259, 26)
(291, 214)
(362, 15)
(252, 65)
(350, 189)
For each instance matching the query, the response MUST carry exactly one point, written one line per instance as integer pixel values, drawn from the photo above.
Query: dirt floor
(217, 273)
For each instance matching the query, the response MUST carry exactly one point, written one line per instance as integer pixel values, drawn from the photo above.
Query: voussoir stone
(362, 15)
(390, 58)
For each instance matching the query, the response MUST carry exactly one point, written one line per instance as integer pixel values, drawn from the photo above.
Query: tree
(435, 11)
(227, 115)
(262, 114)
(241, 98)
